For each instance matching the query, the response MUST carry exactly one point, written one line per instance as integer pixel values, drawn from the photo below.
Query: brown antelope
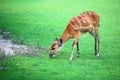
(85, 22)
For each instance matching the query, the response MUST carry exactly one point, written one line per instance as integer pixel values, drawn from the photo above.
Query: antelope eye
(53, 49)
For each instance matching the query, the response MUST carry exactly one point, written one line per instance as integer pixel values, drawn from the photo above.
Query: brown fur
(91, 19)
(85, 22)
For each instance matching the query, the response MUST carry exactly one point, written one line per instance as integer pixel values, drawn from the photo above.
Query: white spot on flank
(84, 21)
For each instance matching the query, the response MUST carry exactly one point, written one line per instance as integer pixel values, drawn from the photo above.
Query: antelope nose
(50, 55)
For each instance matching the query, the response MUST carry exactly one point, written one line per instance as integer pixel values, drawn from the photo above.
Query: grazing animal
(85, 22)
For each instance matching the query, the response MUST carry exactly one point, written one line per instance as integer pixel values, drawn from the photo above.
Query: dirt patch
(8, 47)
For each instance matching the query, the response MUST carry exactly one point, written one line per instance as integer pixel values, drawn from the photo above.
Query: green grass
(44, 20)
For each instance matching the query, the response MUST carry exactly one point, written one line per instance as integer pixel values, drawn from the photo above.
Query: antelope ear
(60, 42)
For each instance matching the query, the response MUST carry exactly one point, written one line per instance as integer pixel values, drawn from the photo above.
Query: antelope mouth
(51, 55)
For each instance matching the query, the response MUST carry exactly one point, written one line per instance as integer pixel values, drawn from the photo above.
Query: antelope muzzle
(51, 55)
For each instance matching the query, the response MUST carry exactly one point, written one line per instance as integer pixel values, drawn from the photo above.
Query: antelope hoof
(71, 58)
(77, 55)
(98, 54)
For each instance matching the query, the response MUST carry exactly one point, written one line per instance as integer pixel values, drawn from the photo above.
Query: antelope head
(55, 47)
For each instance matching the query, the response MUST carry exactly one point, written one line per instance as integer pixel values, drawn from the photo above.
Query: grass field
(44, 20)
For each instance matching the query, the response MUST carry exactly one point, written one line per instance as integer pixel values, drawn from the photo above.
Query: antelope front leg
(98, 41)
(73, 46)
(97, 45)
(77, 50)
